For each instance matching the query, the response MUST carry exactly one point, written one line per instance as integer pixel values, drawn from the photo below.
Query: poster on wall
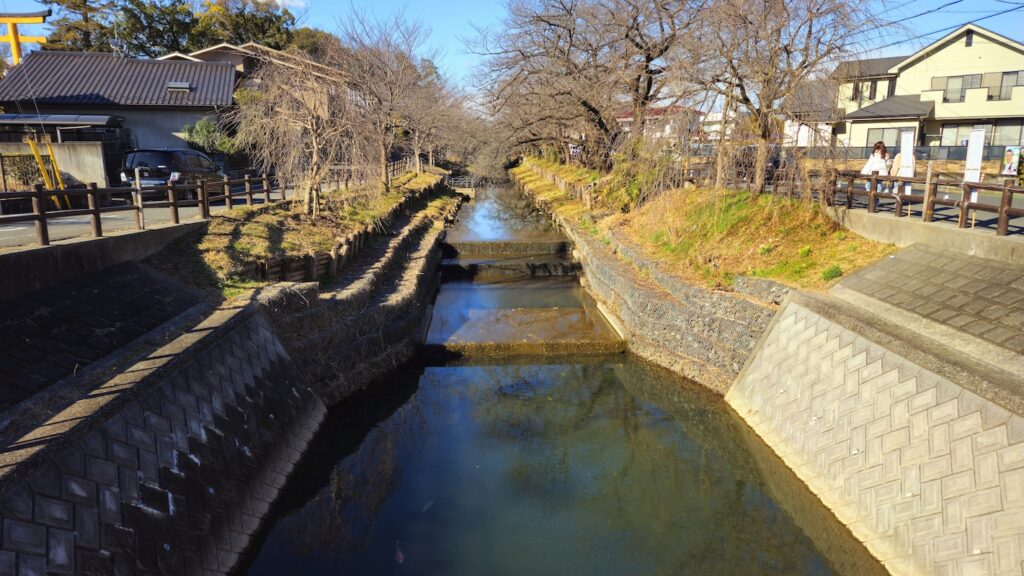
(975, 149)
(1011, 161)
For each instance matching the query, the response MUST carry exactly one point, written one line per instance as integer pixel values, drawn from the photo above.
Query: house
(809, 114)
(246, 59)
(152, 99)
(971, 78)
(95, 106)
(664, 124)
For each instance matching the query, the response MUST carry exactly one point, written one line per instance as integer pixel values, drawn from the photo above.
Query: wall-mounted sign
(975, 149)
(1011, 161)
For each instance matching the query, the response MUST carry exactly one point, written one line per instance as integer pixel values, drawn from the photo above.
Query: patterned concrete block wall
(176, 478)
(928, 474)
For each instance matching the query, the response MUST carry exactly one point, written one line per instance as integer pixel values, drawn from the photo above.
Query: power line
(940, 30)
(927, 12)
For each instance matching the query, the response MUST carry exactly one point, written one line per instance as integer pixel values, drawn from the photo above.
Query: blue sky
(452, 20)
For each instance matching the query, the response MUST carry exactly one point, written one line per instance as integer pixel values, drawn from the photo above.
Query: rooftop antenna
(14, 38)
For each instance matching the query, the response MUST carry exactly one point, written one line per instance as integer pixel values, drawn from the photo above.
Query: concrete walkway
(966, 309)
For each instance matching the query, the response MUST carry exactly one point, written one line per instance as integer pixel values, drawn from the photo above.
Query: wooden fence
(848, 185)
(203, 194)
(877, 187)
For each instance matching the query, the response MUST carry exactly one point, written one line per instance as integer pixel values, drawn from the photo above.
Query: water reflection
(501, 214)
(598, 467)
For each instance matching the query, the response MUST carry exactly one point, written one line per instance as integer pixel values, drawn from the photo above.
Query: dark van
(165, 167)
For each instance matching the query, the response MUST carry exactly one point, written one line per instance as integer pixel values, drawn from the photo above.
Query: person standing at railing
(903, 167)
(878, 162)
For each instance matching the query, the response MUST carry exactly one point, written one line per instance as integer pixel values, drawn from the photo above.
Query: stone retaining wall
(166, 469)
(927, 473)
(345, 339)
(705, 335)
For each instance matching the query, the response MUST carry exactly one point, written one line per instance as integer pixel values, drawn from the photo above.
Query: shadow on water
(592, 466)
(343, 433)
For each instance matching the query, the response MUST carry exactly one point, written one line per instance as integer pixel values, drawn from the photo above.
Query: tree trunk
(416, 153)
(385, 178)
(760, 165)
(722, 156)
(430, 155)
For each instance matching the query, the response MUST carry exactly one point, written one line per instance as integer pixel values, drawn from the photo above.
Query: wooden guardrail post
(39, 210)
(897, 187)
(92, 197)
(872, 198)
(1003, 223)
(248, 190)
(930, 189)
(172, 198)
(266, 188)
(965, 198)
(204, 199)
(140, 218)
(228, 200)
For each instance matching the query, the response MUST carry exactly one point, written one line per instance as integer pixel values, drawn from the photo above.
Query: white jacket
(876, 164)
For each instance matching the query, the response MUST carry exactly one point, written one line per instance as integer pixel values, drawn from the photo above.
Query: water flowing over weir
(525, 441)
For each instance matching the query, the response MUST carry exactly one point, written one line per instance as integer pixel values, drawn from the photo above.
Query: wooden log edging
(318, 265)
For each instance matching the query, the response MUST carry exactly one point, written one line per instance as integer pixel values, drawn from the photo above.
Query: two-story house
(971, 78)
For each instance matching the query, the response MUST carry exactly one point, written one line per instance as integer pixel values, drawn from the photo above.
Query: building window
(1006, 84)
(959, 134)
(892, 87)
(873, 90)
(856, 91)
(969, 41)
(1008, 133)
(888, 136)
(954, 88)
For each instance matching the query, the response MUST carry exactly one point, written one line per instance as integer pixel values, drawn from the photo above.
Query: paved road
(24, 234)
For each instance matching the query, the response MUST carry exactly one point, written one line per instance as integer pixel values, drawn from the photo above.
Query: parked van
(168, 166)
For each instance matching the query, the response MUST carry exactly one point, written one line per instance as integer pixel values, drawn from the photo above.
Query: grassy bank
(212, 259)
(710, 236)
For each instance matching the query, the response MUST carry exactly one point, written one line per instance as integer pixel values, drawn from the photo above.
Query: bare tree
(381, 64)
(767, 49)
(427, 111)
(297, 119)
(561, 72)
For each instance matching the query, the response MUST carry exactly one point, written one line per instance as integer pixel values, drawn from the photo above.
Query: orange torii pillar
(12, 37)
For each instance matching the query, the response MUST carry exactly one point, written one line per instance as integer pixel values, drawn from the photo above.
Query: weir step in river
(511, 287)
(504, 463)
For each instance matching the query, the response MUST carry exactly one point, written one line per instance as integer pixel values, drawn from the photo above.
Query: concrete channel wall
(170, 466)
(929, 475)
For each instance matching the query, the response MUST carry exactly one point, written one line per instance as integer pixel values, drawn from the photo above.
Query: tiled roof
(813, 100)
(103, 79)
(909, 106)
(868, 68)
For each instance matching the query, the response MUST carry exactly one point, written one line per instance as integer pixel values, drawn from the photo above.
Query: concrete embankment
(166, 468)
(896, 442)
(166, 461)
(705, 335)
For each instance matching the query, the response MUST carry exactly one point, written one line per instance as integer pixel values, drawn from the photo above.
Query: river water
(527, 465)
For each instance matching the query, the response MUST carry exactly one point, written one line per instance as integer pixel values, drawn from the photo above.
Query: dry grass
(243, 235)
(711, 236)
(213, 260)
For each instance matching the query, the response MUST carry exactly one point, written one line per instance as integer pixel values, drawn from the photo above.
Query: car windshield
(149, 159)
